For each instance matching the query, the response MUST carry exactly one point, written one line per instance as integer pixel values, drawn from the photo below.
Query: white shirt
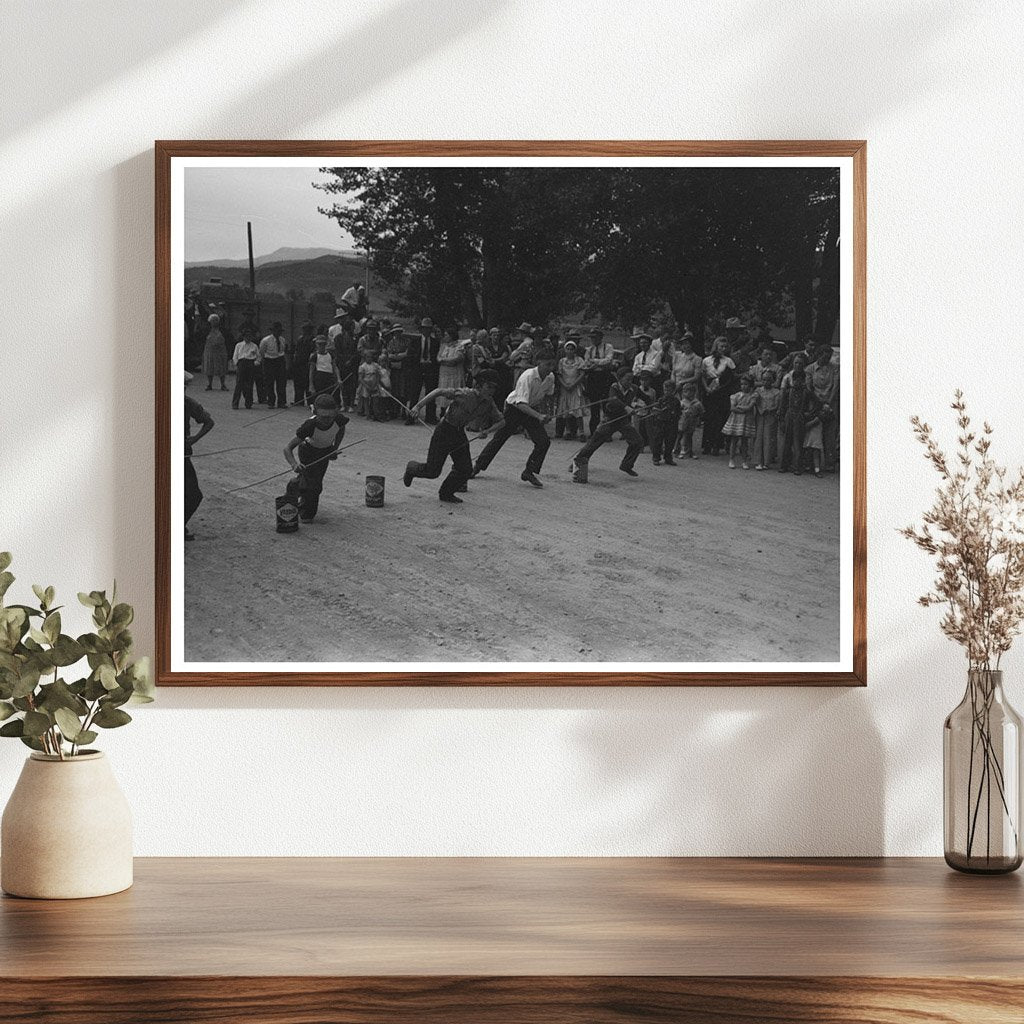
(271, 347)
(651, 360)
(530, 389)
(246, 350)
(351, 295)
(333, 331)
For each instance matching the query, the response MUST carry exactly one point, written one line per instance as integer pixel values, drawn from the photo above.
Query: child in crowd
(814, 436)
(644, 397)
(766, 440)
(798, 411)
(741, 425)
(690, 417)
(317, 440)
(663, 425)
(324, 376)
(369, 395)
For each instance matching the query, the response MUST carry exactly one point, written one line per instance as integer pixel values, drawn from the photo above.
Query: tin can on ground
(287, 508)
(578, 468)
(375, 492)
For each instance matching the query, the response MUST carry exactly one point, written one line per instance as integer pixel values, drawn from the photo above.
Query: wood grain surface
(523, 939)
(166, 150)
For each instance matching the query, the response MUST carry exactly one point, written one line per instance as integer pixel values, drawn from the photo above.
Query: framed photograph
(493, 413)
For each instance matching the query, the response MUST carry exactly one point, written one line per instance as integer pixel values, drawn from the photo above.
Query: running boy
(317, 441)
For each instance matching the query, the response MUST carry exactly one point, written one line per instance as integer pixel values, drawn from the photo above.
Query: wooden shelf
(503, 940)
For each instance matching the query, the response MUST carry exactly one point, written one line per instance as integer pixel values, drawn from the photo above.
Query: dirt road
(692, 563)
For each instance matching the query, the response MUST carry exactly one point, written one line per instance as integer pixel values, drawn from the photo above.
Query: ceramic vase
(66, 831)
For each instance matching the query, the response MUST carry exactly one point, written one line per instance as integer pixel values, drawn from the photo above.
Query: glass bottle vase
(981, 774)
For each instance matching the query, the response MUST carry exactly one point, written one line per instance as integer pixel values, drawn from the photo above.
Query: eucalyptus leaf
(69, 724)
(66, 651)
(40, 592)
(13, 728)
(51, 626)
(5, 559)
(50, 595)
(94, 644)
(86, 736)
(31, 741)
(6, 710)
(111, 718)
(39, 636)
(122, 616)
(142, 678)
(6, 579)
(36, 723)
(27, 682)
(59, 695)
(107, 676)
(89, 600)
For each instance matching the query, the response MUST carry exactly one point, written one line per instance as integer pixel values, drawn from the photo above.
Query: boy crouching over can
(317, 441)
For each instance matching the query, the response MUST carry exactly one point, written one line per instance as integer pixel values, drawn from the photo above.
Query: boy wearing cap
(317, 440)
(615, 420)
(466, 406)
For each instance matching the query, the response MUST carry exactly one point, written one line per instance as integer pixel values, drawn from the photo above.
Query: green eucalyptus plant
(46, 712)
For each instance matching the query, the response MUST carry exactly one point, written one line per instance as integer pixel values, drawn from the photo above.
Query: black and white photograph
(511, 414)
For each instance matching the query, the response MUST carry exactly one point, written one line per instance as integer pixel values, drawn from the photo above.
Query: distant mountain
(327, 273)
(286, 252)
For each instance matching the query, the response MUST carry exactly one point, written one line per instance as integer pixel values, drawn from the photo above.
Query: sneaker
(732, 463)
(657, 462)
(407, 477)
(670, 462)
(628, 471)
(759, 467)
(450, 499)
(530, 478)
(693, 456)
(746, 465)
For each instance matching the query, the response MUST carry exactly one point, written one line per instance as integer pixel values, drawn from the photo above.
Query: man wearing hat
(421, 370)
(523, 412)
(599, 357)
(465, 405)
(398, 356)
(522, 355)
(299, 352)
(354, 301)
(646, 357)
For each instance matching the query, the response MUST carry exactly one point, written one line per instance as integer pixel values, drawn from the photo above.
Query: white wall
(936, 88)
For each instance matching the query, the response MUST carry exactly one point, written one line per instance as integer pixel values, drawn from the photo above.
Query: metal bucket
(578, 468)
(375, 492)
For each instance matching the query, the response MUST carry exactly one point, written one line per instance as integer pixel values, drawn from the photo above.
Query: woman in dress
(215, 354)
(571, 403)
(718, 376)
(451, 359)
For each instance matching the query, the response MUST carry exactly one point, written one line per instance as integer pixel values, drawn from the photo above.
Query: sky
(280, 201)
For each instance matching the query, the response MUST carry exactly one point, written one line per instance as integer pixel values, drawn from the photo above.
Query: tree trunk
(690, 308)
(828, 287)
(803, 303)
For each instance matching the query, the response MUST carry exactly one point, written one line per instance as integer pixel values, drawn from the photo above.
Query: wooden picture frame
(850, 156)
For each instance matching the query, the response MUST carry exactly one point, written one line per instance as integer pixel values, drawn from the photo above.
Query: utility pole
(252, 266)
